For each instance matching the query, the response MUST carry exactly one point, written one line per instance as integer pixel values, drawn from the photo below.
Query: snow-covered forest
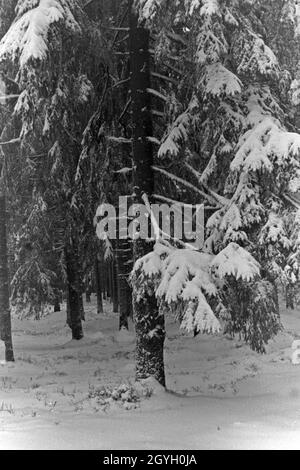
(132, 342)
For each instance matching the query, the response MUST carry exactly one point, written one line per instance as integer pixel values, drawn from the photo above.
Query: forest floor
(221, 395)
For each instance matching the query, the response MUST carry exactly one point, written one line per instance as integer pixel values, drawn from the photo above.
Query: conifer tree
(46, 47)
(5, 313)
(149, 323)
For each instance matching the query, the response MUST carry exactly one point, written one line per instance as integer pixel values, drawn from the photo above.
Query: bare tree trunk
(74, 317)
(108, 279)
(88, 287)
(5, 316)
(147, 318)
(124, 255)
(98, 286)
(82, 313)
(68, 308)
(115, 295)
(56, 305)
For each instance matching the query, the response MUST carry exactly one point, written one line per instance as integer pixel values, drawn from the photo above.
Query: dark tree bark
(56, 305)
(74, 297)
(88, 287)
(68, 308)
(124, 255)
(289, 297)
(82, 313)
(108, 279)
(115, 293)
(5, 316)
(147, 318)
(98, 286)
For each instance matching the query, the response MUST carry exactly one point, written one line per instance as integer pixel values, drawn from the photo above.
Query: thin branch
(125, 109)
(9, 79)
(179, 203)
(87, 4)
(12, 141)
(154, 140)
(220, 199)
(174, 69)
(177, 38)
(164, 77)
(184, 183)
(154, 112)
(119, 140)
(123, 171)
(8, 97)
(120, 25)
(115, 28)
(291, 200)
(122, 82)
(157, 94)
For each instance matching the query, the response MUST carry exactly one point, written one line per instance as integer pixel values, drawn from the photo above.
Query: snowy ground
(221, 395)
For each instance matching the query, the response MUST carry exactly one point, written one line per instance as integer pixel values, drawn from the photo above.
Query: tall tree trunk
(124, 255)
(5, 317)
(147, 318)
(82, 313)
(74, 293)
(56, 305)
(108, 279)
(88, 287)
(114, 274)
(98, 286)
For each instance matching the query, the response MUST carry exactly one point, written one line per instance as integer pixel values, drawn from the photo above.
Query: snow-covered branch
(185, 183)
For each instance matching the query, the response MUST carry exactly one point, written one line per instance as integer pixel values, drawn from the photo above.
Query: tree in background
(5, 314)
(50, 49)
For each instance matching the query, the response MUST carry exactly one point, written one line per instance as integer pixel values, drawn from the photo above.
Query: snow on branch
(274, 232)
(187, 281)
(148, 9)
(257, 57)
(219, 80)
(179, 277)
(236, 261)
(267, 143)
(178, 132)
(27, 38)
(209, 7)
